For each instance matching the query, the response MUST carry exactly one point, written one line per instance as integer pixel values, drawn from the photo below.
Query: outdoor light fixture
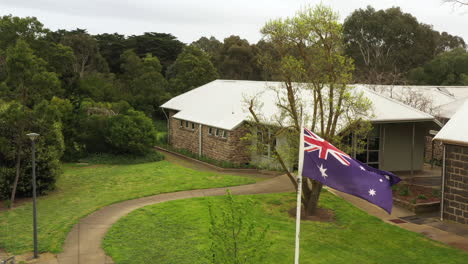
(33, 137)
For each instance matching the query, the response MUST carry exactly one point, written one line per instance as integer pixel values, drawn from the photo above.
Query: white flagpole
(299, 193)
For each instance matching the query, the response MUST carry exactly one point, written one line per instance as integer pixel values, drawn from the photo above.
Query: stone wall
(229, 148)
(438, 149)
(456, 184)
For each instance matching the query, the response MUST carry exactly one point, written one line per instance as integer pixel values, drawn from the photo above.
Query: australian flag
(332, 167)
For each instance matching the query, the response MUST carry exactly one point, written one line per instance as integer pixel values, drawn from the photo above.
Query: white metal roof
(449, 109)
(456, 130)
(222, 104)
(437, 95)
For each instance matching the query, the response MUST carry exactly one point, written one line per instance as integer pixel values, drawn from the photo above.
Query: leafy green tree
(16, 120)
(448, 68)
(312, 59)
(386, 44)
(27, 79)
(192, 69)
(236, 236)
(13, 28)
(85, 48)
(144, 85)
(111, 46)
(132, 133)
(164, 46)
(100, 87)
(237, 60)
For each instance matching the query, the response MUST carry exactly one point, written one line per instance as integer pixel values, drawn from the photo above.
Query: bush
(133, 133)
(236, 236)
(15, 121)
(116, 129)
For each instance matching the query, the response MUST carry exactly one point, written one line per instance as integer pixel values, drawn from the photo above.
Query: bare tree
(314, 74)
(456, 2)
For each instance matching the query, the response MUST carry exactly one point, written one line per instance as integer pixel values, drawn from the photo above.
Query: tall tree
(164, 46)
(192, 68)
(12, 28)
(237, 60)
(312, 60)
(28, 80)
(87, 57)
(448, 68)
(111, 46)
(385, 44)
(144, 85)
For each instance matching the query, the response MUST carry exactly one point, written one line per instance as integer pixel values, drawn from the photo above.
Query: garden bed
(418, 199)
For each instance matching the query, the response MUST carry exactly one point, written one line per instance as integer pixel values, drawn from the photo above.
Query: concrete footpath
(83, 243)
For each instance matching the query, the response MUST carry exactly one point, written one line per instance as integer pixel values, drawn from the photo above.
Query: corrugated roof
(456, 130)
(223, 104)
(448, 110)
(438, 95)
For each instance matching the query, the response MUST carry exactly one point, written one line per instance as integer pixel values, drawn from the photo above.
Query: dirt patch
(18, 202)
(321, 215)
(416, 194)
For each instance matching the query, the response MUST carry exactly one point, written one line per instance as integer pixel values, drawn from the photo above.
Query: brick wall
(456, 184)
(438, 149)
(231, 148)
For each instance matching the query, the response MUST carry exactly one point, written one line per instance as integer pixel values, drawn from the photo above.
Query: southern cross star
(372, 192)
(323, 171)
(362, 168)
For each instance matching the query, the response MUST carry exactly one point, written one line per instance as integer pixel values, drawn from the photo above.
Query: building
(211, 121)
(454, 136)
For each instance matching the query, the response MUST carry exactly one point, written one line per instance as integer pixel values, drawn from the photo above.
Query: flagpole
(299, 193)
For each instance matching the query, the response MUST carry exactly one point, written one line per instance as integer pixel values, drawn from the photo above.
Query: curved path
(83, 243)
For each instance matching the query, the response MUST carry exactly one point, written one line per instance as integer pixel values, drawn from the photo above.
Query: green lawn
(177, 232)
(84, 189)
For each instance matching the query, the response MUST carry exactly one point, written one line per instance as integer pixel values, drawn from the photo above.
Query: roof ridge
(398, 102)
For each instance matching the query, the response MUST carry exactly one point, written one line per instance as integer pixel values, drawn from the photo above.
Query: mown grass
(83, 189)
(107, 158)
(178, 232)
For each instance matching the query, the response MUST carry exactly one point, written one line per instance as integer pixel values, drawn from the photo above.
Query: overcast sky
(188, 20)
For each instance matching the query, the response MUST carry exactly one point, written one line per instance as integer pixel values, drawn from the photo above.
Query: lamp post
(33, 137)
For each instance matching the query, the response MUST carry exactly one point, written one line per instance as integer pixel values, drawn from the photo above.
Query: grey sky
(189, 19)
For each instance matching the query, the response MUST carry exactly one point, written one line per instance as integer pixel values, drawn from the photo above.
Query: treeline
(101, 93)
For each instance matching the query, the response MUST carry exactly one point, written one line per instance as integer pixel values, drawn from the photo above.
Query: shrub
(404, 191)
(422, 197)
(133, 133)
(49, 147)
(235, 234)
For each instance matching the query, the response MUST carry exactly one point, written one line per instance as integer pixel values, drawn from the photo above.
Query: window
(224, 134)
(186, 124)
(193, 126)
(210, 131)
(262, 144)
(370, 156)
(218, 132)
(181, 123)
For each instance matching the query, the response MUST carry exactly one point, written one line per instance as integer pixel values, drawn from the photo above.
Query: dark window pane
(373, 143)
(373, 156)
(362, 157)
(375, 165)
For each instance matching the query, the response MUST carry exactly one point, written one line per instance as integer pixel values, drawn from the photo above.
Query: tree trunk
(18, 167)
(312, 202)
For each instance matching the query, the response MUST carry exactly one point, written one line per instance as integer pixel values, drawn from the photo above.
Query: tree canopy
(192, 69)
(386, 44)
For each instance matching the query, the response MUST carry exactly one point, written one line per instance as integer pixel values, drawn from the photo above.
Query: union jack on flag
(323, 162)
(313, 142)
